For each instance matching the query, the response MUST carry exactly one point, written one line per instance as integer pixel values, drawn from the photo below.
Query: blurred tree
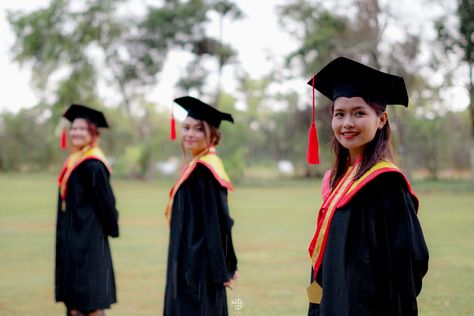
(194, 79)
(358, 31)
(25, 138)
(173, 24)
(223, 52)
(30, 139)
(323, 35)
(207, 46)
(75, 47)
(234, 145)
(460, 43)
(255, 96)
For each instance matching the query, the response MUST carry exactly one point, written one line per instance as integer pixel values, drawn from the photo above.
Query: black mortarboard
(348, 78)
(203, 111)
(81, 111)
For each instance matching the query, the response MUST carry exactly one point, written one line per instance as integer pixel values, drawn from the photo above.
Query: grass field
(274, 224)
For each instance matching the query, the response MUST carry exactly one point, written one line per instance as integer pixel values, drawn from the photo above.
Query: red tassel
(312, 154)
(63, 142)
(173, 129)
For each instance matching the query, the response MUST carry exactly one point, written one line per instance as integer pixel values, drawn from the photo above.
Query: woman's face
(193, 136)
(355, 123)
(80, 134)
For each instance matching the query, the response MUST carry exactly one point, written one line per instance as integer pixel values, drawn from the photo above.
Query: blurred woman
(86, 216)
(368, 252)
(201, 257)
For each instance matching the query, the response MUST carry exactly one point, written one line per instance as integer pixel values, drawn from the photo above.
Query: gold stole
(209, 159)
(345, 189)
(72, 162)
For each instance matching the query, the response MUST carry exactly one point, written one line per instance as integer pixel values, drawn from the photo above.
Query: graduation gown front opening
(84, 275)
(201, 255)
(375, 256)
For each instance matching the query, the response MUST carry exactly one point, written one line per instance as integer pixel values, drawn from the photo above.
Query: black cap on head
(344, 77)
(203, 111)
(80, 111)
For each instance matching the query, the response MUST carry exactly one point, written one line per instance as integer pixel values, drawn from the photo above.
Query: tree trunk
(471, 151)
(219, 86)
(401, 148)
(471, 110)
(220, 64)
(147, 152)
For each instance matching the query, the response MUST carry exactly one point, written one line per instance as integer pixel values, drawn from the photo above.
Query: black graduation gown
(375, 256)
(84, 272)
(201, 255)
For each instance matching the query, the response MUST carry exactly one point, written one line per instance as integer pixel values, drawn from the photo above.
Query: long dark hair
(213, 134)
(379, 148)
(94, 131)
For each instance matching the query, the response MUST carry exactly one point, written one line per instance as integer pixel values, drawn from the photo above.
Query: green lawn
(274, 224)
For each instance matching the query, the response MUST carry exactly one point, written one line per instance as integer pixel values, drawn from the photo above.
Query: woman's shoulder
(202, 175)
(94, 165)
(387, 180)
(387, 188)
(201, 170)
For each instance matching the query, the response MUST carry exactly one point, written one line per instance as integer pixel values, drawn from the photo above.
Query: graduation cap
(344, 77)
(200, 111)
(80, 111)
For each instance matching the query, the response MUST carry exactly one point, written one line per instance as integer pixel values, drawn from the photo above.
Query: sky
(16, 92)
(256, 37)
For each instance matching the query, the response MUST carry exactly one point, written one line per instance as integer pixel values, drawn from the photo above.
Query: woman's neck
(354, 156)
(354, 159)
(199, 153)
(82, 148)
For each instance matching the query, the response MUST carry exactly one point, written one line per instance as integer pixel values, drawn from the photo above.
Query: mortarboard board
(203, 111)
(81, 111)
(344, 77)
(348, 78)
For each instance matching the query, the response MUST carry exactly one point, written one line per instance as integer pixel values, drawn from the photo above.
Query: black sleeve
(398, 244)
(212, 201)
(104, 197)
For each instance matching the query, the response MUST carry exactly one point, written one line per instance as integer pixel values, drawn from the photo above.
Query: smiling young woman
(86, 217)
(355, 124)
(368, 252)
(83, 133)
(201, 258)
(198, 135)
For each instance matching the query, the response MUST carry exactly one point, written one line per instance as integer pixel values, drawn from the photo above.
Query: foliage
(25, 141)
(327, 31)
(75, 48)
